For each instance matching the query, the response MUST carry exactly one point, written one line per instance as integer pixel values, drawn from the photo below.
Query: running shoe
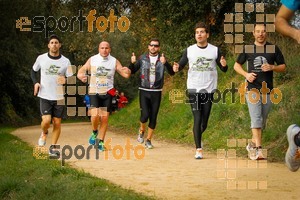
(251, 145)
(198, 154)
(292, 156)
(101, 146)
(148, 144)
(253, 154)
(42, 139)
(140, 138)
(93, 137)
(54, 151)
(252, 151)
(260, 155)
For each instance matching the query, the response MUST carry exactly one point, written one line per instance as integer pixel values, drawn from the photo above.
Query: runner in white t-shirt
(53, 68)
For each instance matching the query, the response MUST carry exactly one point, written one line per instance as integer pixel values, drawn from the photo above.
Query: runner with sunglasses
(152, 66)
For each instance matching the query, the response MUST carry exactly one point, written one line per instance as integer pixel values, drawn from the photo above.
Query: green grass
(24, 177)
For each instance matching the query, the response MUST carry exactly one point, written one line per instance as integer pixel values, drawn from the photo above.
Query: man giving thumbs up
(152, 66)
(203, 59)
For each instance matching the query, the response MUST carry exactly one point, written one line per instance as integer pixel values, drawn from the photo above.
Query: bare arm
(81, 74)
(123, 71)
(282, 25)
(278, 68)
(239, 69)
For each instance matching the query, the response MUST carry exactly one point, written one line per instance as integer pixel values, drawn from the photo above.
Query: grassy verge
(23, 177)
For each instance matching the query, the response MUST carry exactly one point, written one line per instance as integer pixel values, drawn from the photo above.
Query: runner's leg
(154, 108)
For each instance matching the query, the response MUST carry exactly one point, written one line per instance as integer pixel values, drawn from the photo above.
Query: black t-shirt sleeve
(169, 68)
(224, 69)
(34, 76)
(279, 59)
(242, 58)
(183, 60)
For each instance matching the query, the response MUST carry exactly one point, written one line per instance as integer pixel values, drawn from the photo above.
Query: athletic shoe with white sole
(42, 139)
(253, 154)
(54, 151)
(250, 146)
(292, 156)
(148, 144)
(260, 155)
(101, 146)
(252, 151)
(140, 138)
(198, 154)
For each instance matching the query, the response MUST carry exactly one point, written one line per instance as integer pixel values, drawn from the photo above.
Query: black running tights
(149, 105)
(201, 104)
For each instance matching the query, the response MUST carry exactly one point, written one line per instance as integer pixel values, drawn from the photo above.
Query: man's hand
(251, 77)
(162, 59)
(61, 80)
(83, 77)
(223, 61)
(36, 89)
(175, 67)
(267, 67)
(133, 58)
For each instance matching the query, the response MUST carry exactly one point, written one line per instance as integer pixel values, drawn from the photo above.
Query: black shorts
(49, 107)
(100, 101)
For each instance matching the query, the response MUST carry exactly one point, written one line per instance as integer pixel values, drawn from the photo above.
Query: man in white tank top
(203, 59)
(102, 68)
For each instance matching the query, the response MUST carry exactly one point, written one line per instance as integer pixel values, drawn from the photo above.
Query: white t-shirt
(202, 74)
(50, 70)
(102, 74)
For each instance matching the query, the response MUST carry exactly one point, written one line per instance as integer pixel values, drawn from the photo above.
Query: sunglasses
(154, 45)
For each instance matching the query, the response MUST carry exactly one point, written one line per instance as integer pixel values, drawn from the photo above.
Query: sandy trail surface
(169, 171)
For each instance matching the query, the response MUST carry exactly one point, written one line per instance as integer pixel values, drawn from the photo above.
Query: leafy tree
(18, 52)
(172, 21)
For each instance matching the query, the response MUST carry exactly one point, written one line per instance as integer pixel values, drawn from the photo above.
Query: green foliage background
(171, 21)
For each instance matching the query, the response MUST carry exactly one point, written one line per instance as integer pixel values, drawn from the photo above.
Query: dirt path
(169, 171)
